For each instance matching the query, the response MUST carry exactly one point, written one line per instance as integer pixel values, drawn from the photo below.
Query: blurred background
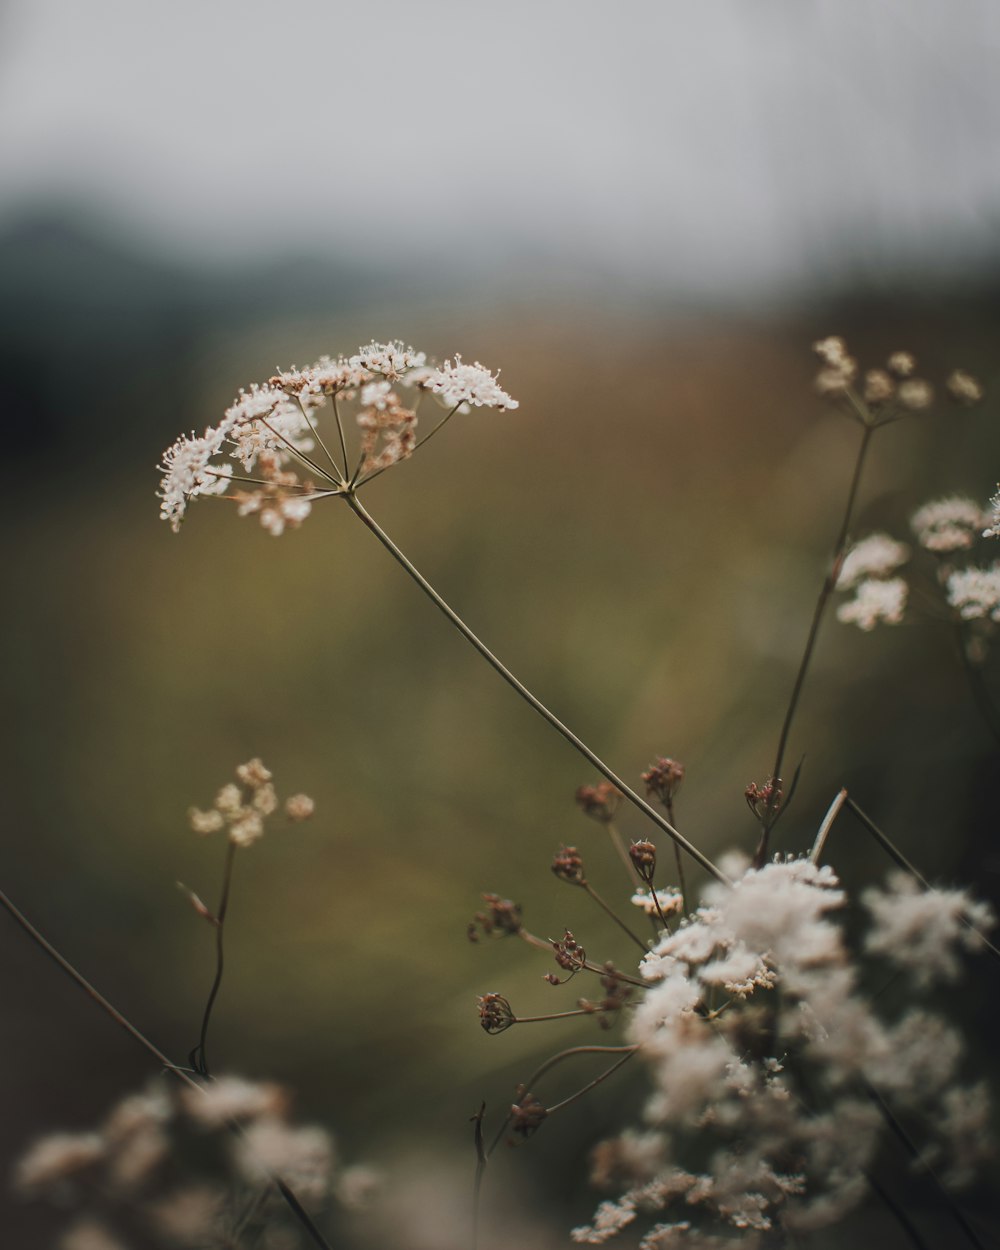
(644, 217)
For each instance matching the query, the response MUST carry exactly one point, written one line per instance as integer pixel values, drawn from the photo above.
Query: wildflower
(469, 384)
(878, 387)
(88, 1234)
(831, 350)
(964, 388)
(186, 474)
(569, 954)
(975, 592)
(609, 1220)
(495, 1013)
(303, 1157)
(390, 359)
(946, 525)
(600, 801)
(229, 1098)
(875, 601)
(763, 800)
(242, 809)
(527, 1115)
(662, 778)
(915, 394)
(902, 364)
(568, 866)
(56, 1157)
(299, 807)
(920, 930)
(643, 857)
(500, 916)
(874, 556)
(658, 902)
(993, 530)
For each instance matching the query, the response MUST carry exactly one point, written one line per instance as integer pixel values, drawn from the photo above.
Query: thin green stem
(343, 440)
(355, 505)
(199, 1057)
(168, 1065)
(617, 919)
(370, 477)
(319, 438)
(826, 590)
(897, 856)
(593, 1084)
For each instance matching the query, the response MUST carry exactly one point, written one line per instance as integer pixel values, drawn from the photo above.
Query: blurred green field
(641, 542)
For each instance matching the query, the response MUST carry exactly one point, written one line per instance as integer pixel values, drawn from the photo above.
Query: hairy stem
(358, 509)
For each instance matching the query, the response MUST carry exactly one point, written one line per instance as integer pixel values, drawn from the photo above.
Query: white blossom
(875, 601)
(459, 383)
(975, 592)
(666, 902)
(232, 1098)
(303, 1157)
(390, 359)
(950, 524)
(874, 556)
(993, 529)
(920, 930)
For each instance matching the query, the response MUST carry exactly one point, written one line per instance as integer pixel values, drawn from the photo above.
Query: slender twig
(343, 440)
(593, 1084)
(920, 1162)
(548, 1065)
(532, 701)
(669, 802)
(301, 455)
(826, 590)
(481, 1161)
(319, 439)
(360, 481)
(897, 856)
(199, 1058)
(617, 919)
(619, 844)
(167, 1064)
(904, 1221)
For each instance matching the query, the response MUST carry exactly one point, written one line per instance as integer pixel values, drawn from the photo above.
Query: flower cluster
(242, 807)
(270, 431)
(239, 1132)
(767, 1058)
(877, 596)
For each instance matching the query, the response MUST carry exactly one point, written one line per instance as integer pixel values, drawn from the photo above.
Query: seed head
(527, 1115)
(600, 801)
(662, 778)
(495, 1013)
(643, 857)
(568, 866)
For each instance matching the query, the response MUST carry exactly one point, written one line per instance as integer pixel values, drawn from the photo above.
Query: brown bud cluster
(643, 857)
(500, 916)
(662, 778)
(527, 1114)
(616, 995)
(570, 956)
(600, 801)
(764, 800)
(568, 866)
(495, 1013)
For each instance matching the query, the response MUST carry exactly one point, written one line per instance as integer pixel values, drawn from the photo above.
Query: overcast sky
(713, 142)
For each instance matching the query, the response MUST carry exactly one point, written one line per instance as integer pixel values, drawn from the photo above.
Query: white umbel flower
(875, 601)
(459, 383)
(874, 556)
(993, 529)
(975, 592)
(392, 360)
(945, 525)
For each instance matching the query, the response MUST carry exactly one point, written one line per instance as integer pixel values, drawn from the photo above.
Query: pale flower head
(946, 525)
(975, 592)
(392, 360)
(878, 555)
(459, 383)
(993, 529)
(304, 1157)
(228, 1098)
(873, 602)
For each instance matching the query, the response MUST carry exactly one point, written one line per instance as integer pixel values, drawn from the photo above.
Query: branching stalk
(199, 1057)
(359, 510)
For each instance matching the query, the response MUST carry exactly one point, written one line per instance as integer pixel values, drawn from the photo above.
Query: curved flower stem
(199, 1059)
(301, 455)
(680, 865)
(826, 590)
(618, 842)
(896, 1211)
(358, 509)
(558, 1106)
(370, 477)
(550, 1063)
(287, 1193)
